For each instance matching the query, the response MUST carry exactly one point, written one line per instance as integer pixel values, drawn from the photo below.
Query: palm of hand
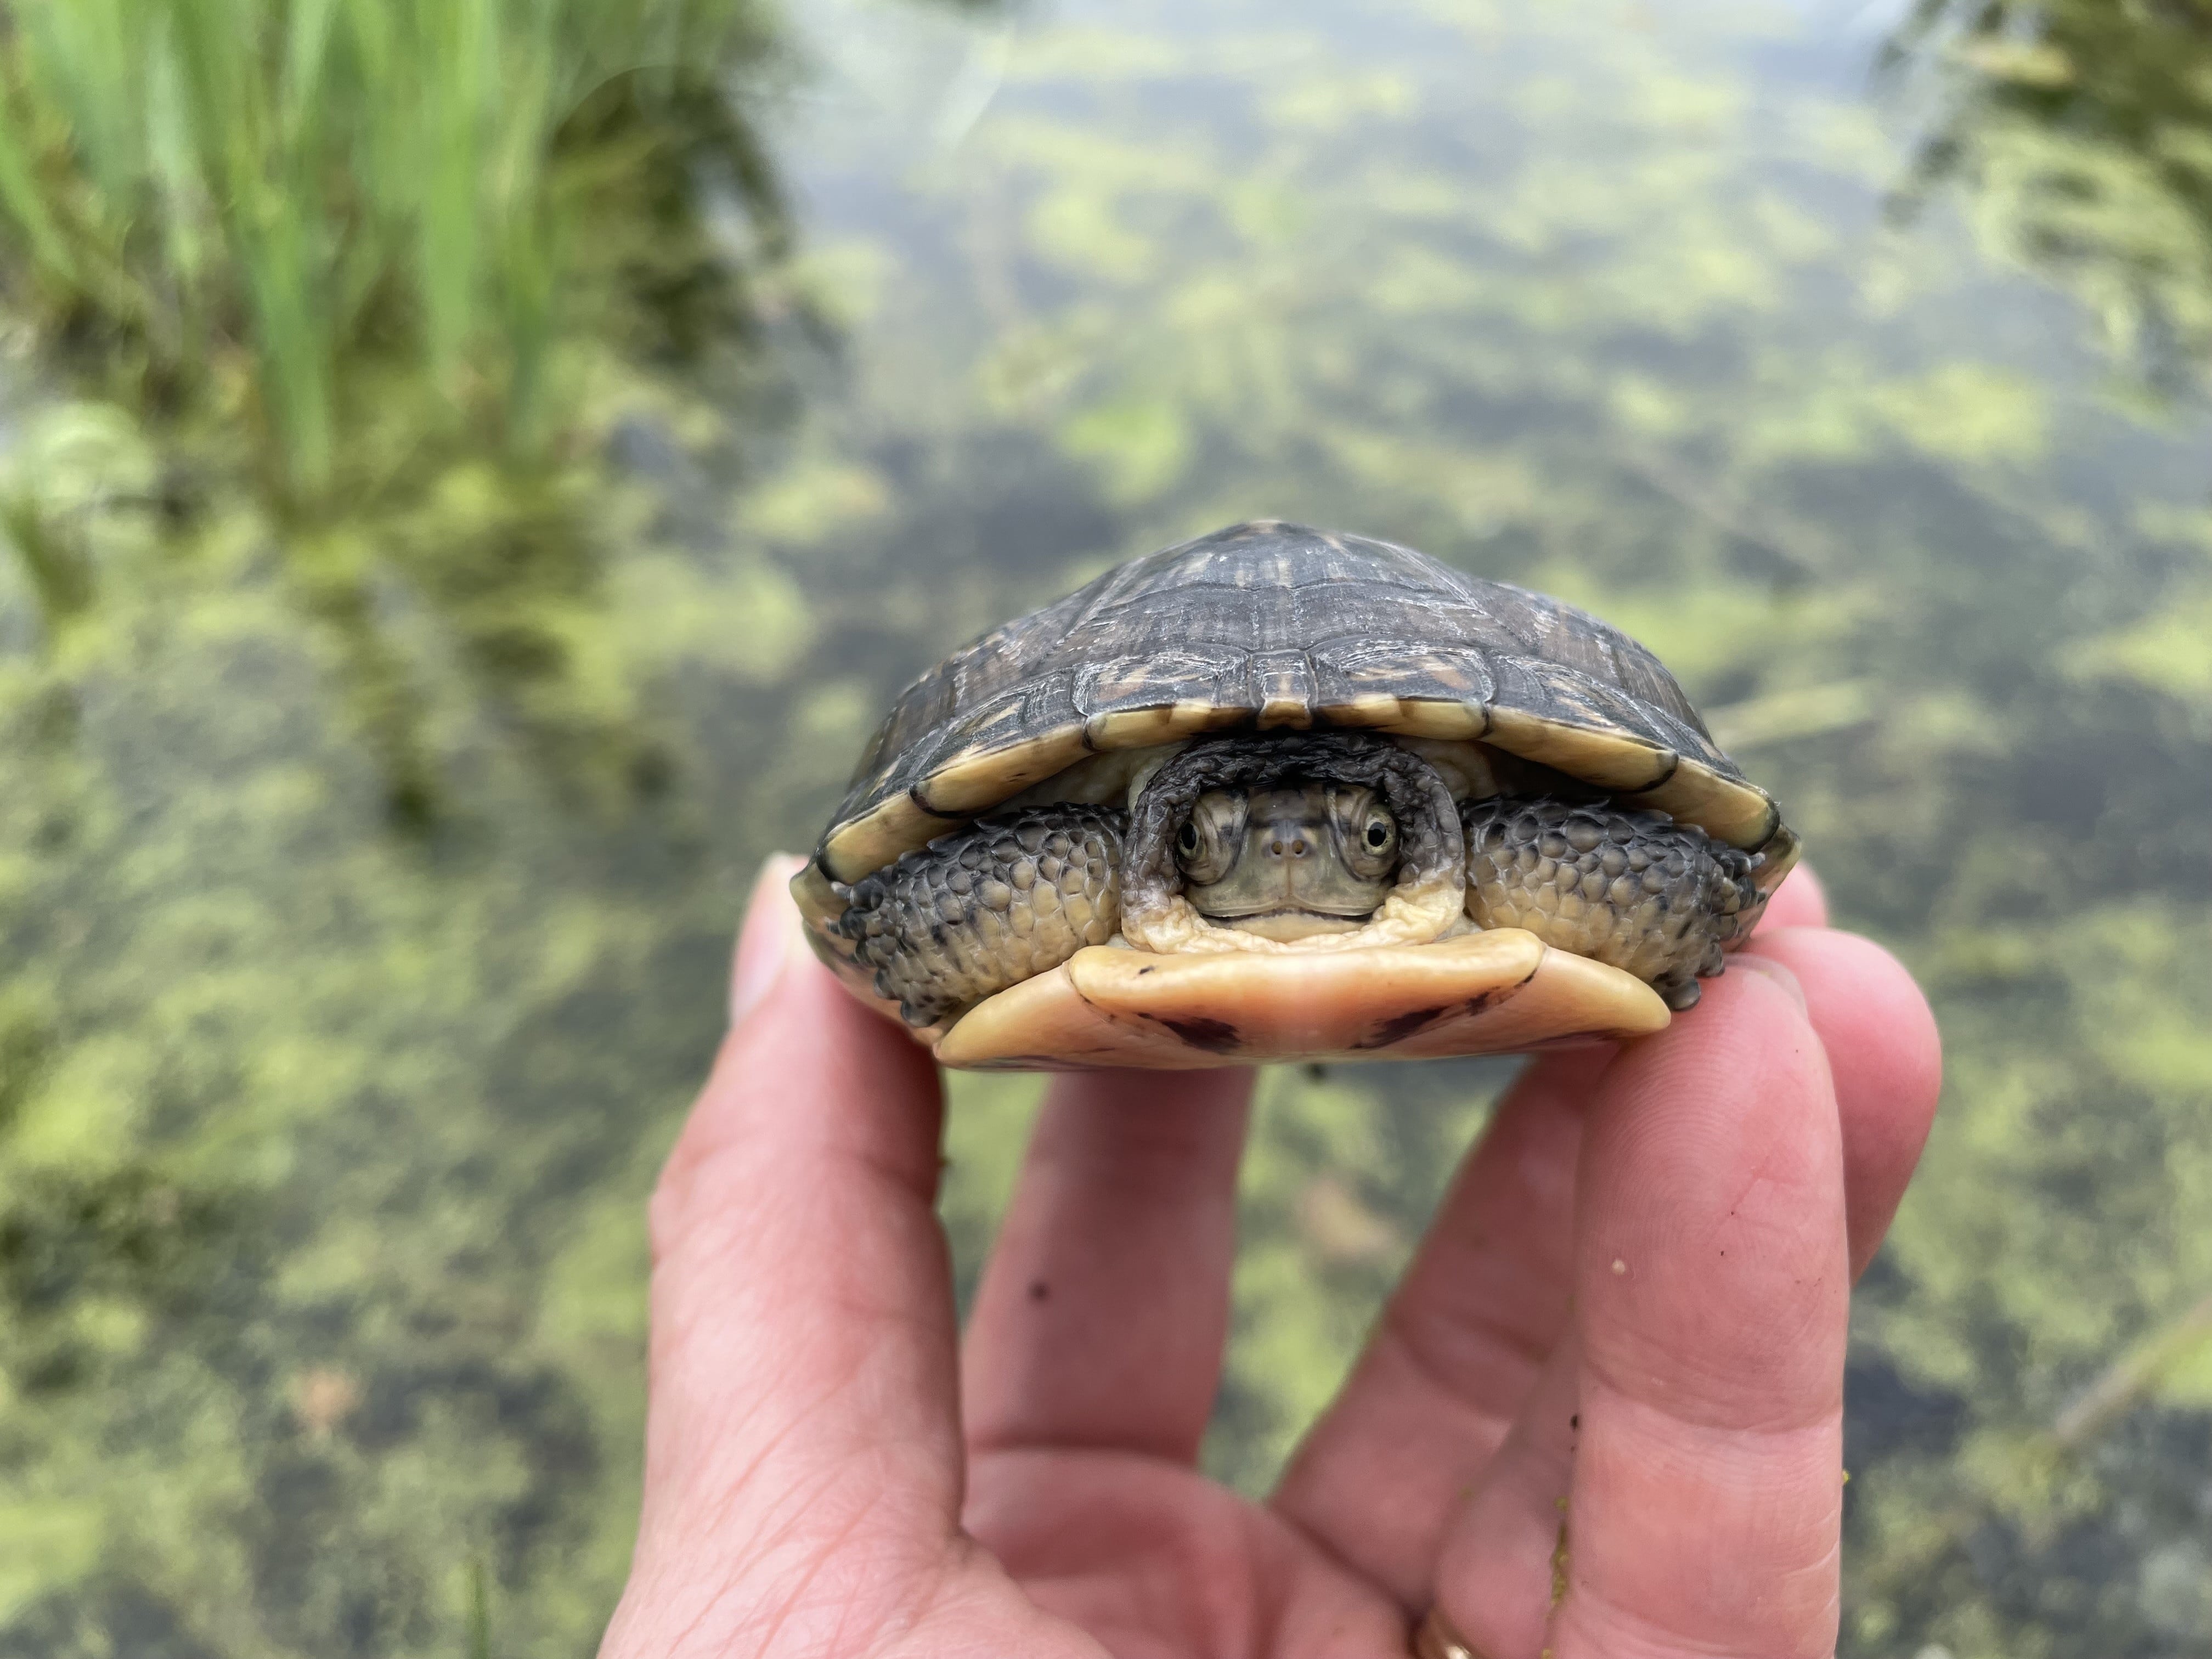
(1142, 1557)
(830, 1470)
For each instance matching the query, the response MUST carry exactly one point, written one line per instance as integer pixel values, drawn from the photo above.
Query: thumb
(803, 1457)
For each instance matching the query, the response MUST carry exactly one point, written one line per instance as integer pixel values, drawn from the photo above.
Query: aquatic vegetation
(2086, 130)
(285, 216)
(357, 286)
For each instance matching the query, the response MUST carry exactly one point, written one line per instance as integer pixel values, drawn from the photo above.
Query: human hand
(1629, 1312)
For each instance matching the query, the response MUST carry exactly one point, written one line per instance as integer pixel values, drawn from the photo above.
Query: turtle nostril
(1297, 850)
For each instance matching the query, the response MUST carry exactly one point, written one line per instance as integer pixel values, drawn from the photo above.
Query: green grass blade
(479, 1609)
(20, 193)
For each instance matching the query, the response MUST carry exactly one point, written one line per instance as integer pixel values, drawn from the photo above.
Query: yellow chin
(1412, 914)
(1503, 991)
(1283, 926)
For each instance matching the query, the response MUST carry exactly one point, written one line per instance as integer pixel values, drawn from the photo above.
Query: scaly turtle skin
(1278, 792)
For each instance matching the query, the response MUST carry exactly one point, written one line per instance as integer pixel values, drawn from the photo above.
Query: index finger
(1712, 1291)
(802, 1363)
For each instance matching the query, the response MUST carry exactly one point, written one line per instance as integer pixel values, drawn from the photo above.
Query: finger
(802, 1369)
(1712, 1295)
(1385, 1468)
(1104, 1306)
(1457, 1346)
(1800, 901)
(1431, 1399)
(1502, 1544)
(1887, 1058)
(1885, 1064)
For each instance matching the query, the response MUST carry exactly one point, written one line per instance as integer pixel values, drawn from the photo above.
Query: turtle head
(1290, 841)
(1289, 860)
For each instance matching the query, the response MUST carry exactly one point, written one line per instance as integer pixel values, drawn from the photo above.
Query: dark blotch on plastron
(1216, 1036)
(1399, 1027)
(1482, 999)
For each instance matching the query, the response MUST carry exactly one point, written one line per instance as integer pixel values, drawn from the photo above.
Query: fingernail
(1770, 968)
(770, 936)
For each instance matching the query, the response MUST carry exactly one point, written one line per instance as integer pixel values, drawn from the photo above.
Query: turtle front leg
(1004, 899)
(1636, 891)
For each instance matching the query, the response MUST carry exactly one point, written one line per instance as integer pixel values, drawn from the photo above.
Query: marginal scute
(878, 837)
(1141, 728)
(1280, 687)
(819, 901)
(1728, 809)
(977, 779)
(1776, 860)
(1609, 759)
(1410, 717)
(1373, 709)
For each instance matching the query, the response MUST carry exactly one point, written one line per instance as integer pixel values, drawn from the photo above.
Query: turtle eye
(1207, 845)
(1367, 832)
(1378, 840)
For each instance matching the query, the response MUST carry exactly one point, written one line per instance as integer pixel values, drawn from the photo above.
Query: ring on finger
(1437, 1639)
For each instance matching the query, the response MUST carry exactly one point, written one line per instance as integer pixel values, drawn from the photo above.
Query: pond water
(359, 961)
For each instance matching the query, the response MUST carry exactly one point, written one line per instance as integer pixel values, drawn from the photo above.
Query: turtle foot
(1006, 898)
(1635, 890)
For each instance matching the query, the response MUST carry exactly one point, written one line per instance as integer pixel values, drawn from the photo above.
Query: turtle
(1286, 793)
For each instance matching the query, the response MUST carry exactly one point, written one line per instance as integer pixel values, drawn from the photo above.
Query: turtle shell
(1266, 626)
